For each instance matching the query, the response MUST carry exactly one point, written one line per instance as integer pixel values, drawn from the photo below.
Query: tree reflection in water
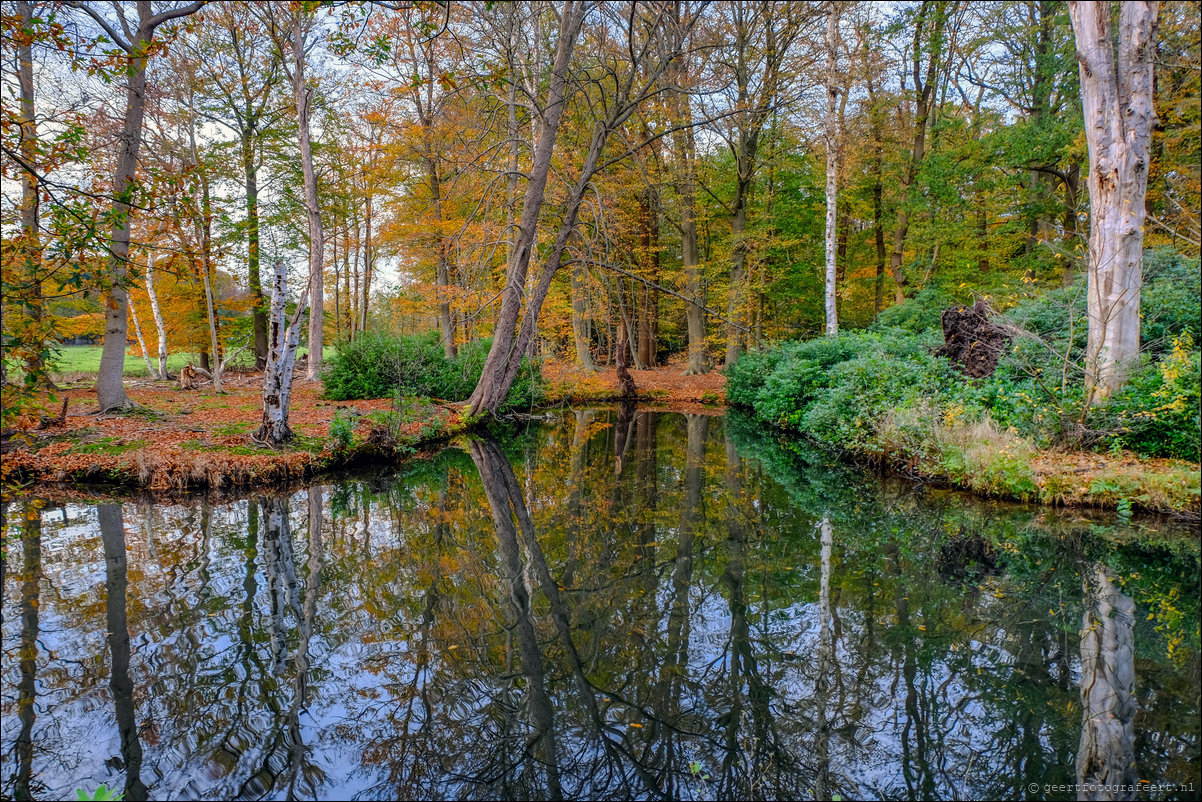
(112, 534)
(622, 605)
(1106, 757)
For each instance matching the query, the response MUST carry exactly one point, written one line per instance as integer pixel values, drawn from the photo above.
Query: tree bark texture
(831, 135)
(1116, 95)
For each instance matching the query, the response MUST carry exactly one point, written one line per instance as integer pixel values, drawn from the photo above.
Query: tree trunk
(443, 269)
(878, 211)
(368, 258)
(158, 316)
(110, 392)
(1116, 95)
(1071, 175)
(738, 260)
(211, 310)
(133, 313)
(30, 248)
(204, 234)
(691, 261)
(581, 327)
(316, 289)
(831, 135)
(648, 298)
(283, 337)
(499, 369)
(258, 305)
(924, 103)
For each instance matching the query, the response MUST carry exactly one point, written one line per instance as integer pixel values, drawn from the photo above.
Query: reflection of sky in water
(946, 675)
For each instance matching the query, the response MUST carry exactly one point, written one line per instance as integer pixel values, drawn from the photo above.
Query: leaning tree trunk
(1116, 95)
(282, 339)
(831, 134)
(316, 235)
(500, 366)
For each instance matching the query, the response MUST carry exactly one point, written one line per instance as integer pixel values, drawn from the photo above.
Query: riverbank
(184, 440)
(188, 440)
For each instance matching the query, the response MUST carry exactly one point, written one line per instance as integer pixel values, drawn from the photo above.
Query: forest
(457, 200)
(600, 399)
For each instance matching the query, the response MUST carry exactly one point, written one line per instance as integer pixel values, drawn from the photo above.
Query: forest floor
(180, 440)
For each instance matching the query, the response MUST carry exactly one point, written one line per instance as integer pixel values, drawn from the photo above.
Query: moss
(107, 446)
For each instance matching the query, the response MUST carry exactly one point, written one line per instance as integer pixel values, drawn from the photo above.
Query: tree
(1116, 93)
(831, 135)
(291, 34)
(138, 44)
(505, 355)
(930, 36)
(761, 36)
(239, 77)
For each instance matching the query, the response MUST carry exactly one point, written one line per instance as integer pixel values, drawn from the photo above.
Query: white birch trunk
(831, 134)
(211, 311)
(1116, 96)
(158, 317)
(282, 338)
(316, 235)
(133, 313)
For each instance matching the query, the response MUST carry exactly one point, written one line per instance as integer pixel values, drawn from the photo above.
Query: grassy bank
(884, 396)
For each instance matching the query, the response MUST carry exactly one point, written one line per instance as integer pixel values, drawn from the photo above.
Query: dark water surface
(606, 605)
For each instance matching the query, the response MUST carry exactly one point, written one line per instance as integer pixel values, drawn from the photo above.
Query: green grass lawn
(86, 359)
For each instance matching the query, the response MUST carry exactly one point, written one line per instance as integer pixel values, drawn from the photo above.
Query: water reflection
(621, 605)
(1106, 757)
(116, 579)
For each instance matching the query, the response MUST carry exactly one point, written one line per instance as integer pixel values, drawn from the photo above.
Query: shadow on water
(616, 604)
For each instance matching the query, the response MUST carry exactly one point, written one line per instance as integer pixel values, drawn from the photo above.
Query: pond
(604, 604)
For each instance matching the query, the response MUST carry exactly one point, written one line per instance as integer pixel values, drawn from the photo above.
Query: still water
(606, 604)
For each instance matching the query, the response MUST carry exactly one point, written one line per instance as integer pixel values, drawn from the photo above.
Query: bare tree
(1116, 94)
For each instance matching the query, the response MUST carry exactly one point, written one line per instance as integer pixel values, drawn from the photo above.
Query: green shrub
(919, 313)
(382, 365)
(1159, 410)
(1171, 300)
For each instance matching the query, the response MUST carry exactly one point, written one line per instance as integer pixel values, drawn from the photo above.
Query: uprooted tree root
(971, 340)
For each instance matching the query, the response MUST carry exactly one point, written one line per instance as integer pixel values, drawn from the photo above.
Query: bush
(1171, 300)
(1159, 411)
(916, 314)
(382, 365)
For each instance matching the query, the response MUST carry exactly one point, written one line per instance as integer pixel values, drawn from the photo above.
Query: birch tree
(290, 33)
(158, 316)
(831, 134)
(1116, 95)
(283, 335)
